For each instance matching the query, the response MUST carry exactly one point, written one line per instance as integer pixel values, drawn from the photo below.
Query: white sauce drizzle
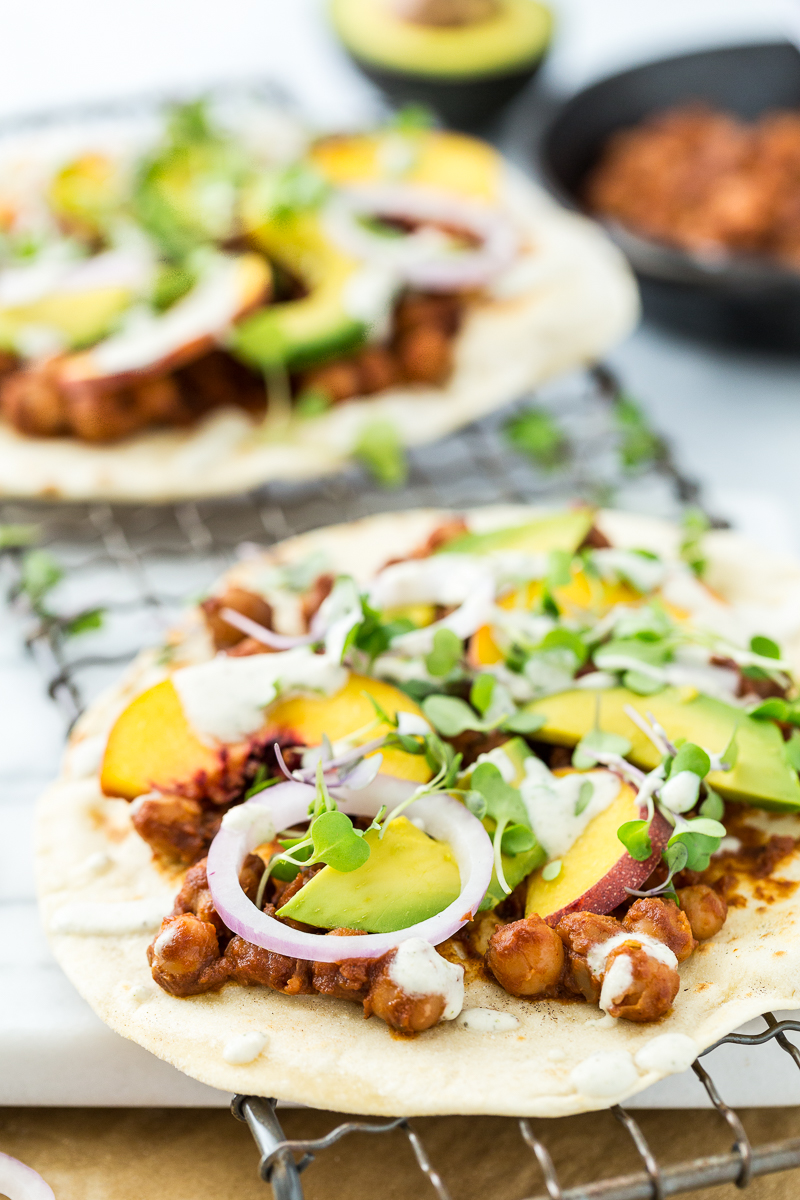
(224, 699)
(606, 1073)
(108, 918)
(244, 1048)
(669, 1054)
(599, 953)
(487, 1020)
(646, 574)
(551, 801)
(446, 579)
(618, 979)
(418, 970)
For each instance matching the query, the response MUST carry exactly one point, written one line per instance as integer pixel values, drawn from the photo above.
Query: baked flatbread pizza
(493, 812)
(200, 304)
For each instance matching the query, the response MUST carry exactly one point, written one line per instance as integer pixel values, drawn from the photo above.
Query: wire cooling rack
(122, 574)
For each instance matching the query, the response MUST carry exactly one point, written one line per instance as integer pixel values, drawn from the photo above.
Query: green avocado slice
(516, 35)
(762, 775)
(407, 878)
(557, 531)
(77, 319)
(298, 333)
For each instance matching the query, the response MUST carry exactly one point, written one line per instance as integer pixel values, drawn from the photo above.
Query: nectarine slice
(153, 745)
(597, 869)
(309, 717)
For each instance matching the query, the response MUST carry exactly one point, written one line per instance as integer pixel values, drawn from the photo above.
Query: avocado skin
(465, 103)
(762, 775)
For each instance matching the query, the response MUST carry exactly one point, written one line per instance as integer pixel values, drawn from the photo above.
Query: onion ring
(444, 818)
(267, 637)
(421, 258)
(20, 1182)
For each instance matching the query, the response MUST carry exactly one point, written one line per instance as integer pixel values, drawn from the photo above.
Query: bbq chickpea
(526, 957)
(650, 987)
(705, 910)
(662, 919)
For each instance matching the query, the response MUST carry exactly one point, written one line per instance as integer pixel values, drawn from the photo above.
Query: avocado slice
(762, 775)
(516, 35)
(77, 319)
(557, 531)
(299, 333)
(407, 878)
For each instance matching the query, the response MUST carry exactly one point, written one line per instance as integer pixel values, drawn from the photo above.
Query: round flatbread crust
(574, 298)
(322, 1052)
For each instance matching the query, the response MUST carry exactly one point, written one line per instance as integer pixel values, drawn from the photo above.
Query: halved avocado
(466, 72)
(762, 776)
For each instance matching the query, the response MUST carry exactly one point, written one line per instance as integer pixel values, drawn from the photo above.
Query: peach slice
(349, 710)
(597, 869)
(152, 745)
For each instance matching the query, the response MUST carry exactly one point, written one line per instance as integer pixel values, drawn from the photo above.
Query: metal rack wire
(140, 564)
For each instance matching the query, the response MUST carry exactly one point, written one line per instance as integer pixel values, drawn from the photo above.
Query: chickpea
(526, 957)
(705, 910)
(652, 988)
(408, 1014)
(183, 949)
(662, 919)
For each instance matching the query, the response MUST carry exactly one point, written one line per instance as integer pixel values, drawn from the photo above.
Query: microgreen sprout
(676, 787)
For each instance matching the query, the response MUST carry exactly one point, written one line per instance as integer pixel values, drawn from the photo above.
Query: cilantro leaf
(523, 722)
(597, 742)
(690, 758)
(535, 433)
(40, 574)
(450, 715)
(765, 647)
(481, 692)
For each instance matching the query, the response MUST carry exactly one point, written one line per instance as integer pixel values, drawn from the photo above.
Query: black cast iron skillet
(733, 298)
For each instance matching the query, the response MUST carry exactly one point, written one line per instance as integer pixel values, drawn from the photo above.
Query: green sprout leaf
(91, 618)
(565, 639)
(765, 647)
(380, 448)
(774, 709)
(337, 843)
(596, 742)
(446, 653)
(412, 118)
(638, 444)
(635, 837)
(792, 748)
(40, 574)
(690, 758)
(535, 433)
(517, 839)
(450, 715)
(481, 692)
(559, 568)
(523, 722)
(552, 870)
(713, 806)
(695, 524)
(585, 793)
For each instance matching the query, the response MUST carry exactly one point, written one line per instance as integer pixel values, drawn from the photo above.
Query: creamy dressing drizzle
(606, 1073)
(105, 918)
(224, 699)
(446, 579)
(551, 802)
(618, 979)
(599, 953)
(418, 970)
(669, 1054)
(487, 1020)
(244, 1048)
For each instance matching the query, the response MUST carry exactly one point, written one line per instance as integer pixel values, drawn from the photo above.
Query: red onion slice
(443, 818)
(420, 258)
(20, 1182)
(267, 637)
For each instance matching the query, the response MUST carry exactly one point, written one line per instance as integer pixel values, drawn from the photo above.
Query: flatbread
(322, 1052)
(566, 302)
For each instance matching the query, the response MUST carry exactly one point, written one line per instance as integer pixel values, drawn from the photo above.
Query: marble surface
(734, 418)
